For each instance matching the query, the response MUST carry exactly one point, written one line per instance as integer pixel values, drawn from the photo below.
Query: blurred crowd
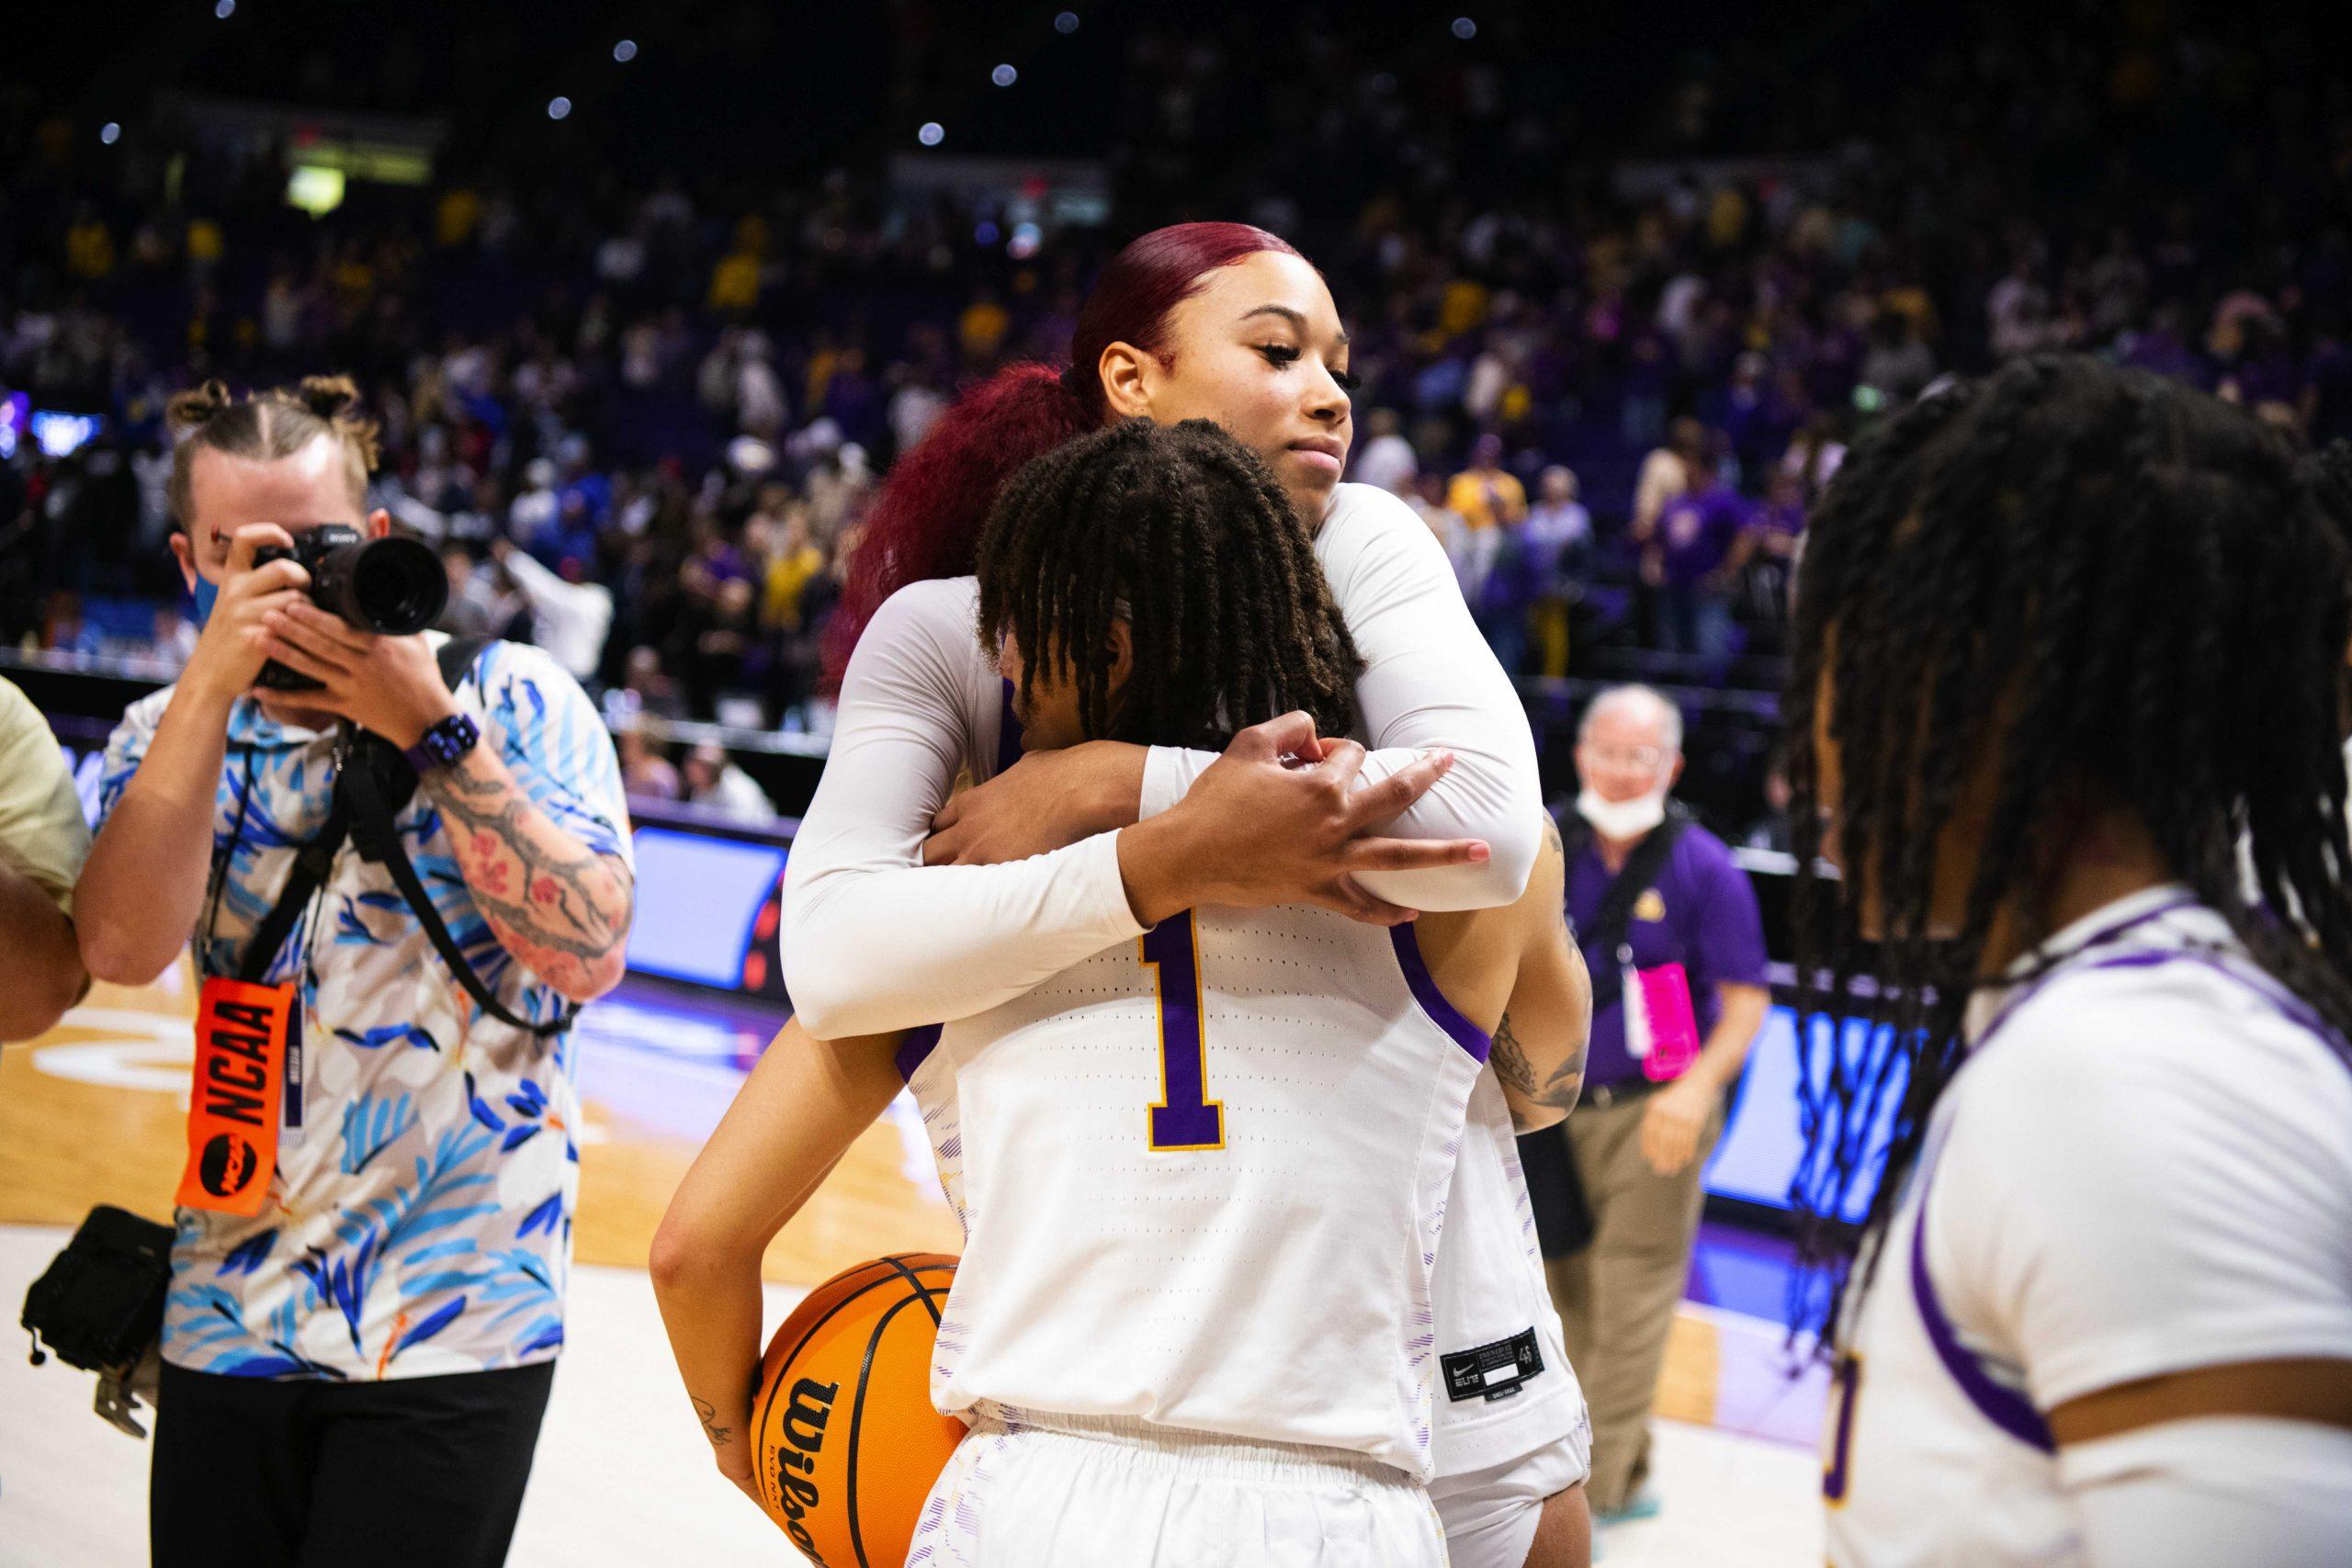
(643, 418)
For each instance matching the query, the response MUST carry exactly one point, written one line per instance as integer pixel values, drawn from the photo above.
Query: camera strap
(246, 1094)
(247, 1088)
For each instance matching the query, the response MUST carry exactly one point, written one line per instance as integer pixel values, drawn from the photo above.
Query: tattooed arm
(1542, 1095)
(1517, 965)
(1539, 1046)
(560, 908)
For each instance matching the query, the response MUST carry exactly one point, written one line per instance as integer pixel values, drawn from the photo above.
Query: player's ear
(379, 522)
(1127, 373)
(184, 551)
(1123, 654)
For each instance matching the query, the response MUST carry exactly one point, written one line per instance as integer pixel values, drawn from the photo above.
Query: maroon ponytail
(926, 523)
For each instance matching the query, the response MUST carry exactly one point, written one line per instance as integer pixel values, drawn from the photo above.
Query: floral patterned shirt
(420, 1219)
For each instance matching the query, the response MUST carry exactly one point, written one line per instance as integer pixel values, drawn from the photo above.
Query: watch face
(448, 740)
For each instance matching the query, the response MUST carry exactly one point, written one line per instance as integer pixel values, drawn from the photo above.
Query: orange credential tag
(233, 1106)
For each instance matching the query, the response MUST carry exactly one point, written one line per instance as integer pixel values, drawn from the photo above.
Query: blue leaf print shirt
(419, 1221)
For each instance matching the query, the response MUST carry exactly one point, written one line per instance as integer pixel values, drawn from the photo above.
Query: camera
(391, 586)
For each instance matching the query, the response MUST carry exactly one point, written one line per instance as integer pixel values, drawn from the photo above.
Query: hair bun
(195, 407)
(329, 397)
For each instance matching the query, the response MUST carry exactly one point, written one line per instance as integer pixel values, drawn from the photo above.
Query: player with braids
(2071, 652)
(1170, 549)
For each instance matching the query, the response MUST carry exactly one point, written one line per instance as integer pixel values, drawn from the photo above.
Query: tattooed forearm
(560, 908)
(717, 1434)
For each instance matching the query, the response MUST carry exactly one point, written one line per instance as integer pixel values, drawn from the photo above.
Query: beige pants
(1617, 1298)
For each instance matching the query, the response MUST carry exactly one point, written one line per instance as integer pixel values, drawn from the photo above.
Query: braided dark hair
(2103, 589)
(1179, 531)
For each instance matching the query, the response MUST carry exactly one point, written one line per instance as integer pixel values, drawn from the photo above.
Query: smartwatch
(447, 742)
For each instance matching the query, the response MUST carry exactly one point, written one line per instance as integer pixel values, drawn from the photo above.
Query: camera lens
(391, 586)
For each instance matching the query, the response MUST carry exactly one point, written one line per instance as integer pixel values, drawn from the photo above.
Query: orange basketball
(846, 1441)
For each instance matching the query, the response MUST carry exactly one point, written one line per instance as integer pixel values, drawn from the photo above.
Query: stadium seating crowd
(1611, 373)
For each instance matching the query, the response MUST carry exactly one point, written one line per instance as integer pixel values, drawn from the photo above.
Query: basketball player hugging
(1207, 1176)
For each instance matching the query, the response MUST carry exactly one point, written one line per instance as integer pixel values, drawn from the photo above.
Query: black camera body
(391, 586)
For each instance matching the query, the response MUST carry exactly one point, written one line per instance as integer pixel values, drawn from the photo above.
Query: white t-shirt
(2143, 1168)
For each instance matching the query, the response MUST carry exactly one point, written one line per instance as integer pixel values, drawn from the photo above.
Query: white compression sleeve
(2264, 1494)
(1430, 683)
(873, 939)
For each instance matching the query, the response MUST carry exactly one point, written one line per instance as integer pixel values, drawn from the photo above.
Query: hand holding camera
(232, 650)
(321, 623)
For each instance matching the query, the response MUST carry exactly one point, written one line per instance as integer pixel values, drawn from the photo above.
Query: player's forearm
(40, 964)
(559, 907)
(868, 950)
(710, 1305)
(1480, 797)
(136, 903)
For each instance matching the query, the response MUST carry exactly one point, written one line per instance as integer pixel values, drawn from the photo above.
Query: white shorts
(1491, 1515)
(1112, 1494)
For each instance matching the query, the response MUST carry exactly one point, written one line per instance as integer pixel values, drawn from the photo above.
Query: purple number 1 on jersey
(1185, 1117)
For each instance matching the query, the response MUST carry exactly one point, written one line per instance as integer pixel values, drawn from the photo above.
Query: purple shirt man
(1697, 530)
(1700, 913)
(1636, 1148)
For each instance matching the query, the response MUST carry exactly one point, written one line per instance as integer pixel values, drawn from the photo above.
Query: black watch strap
(445, 744)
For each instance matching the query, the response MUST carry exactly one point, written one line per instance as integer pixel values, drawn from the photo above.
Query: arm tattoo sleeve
(559, 907)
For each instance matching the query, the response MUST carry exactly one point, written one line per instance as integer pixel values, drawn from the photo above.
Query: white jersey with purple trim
(1203, 1178)
(2141, 1169)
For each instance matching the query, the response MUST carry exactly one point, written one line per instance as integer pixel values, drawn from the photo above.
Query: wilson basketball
(847, 1442)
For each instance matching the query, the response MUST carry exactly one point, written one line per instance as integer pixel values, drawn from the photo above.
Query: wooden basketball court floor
(91, 1112)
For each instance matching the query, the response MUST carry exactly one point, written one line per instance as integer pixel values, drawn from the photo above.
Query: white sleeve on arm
(2193, 1494)
(873, 939)
(1430, 683)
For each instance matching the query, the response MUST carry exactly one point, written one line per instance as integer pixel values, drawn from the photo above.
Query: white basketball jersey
(1488, 1286)
(2095, 1202)
(1203, 1178)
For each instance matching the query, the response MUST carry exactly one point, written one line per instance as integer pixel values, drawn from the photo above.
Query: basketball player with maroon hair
(1061, 855)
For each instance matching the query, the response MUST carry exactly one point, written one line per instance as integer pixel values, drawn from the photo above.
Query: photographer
(367, 1292)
